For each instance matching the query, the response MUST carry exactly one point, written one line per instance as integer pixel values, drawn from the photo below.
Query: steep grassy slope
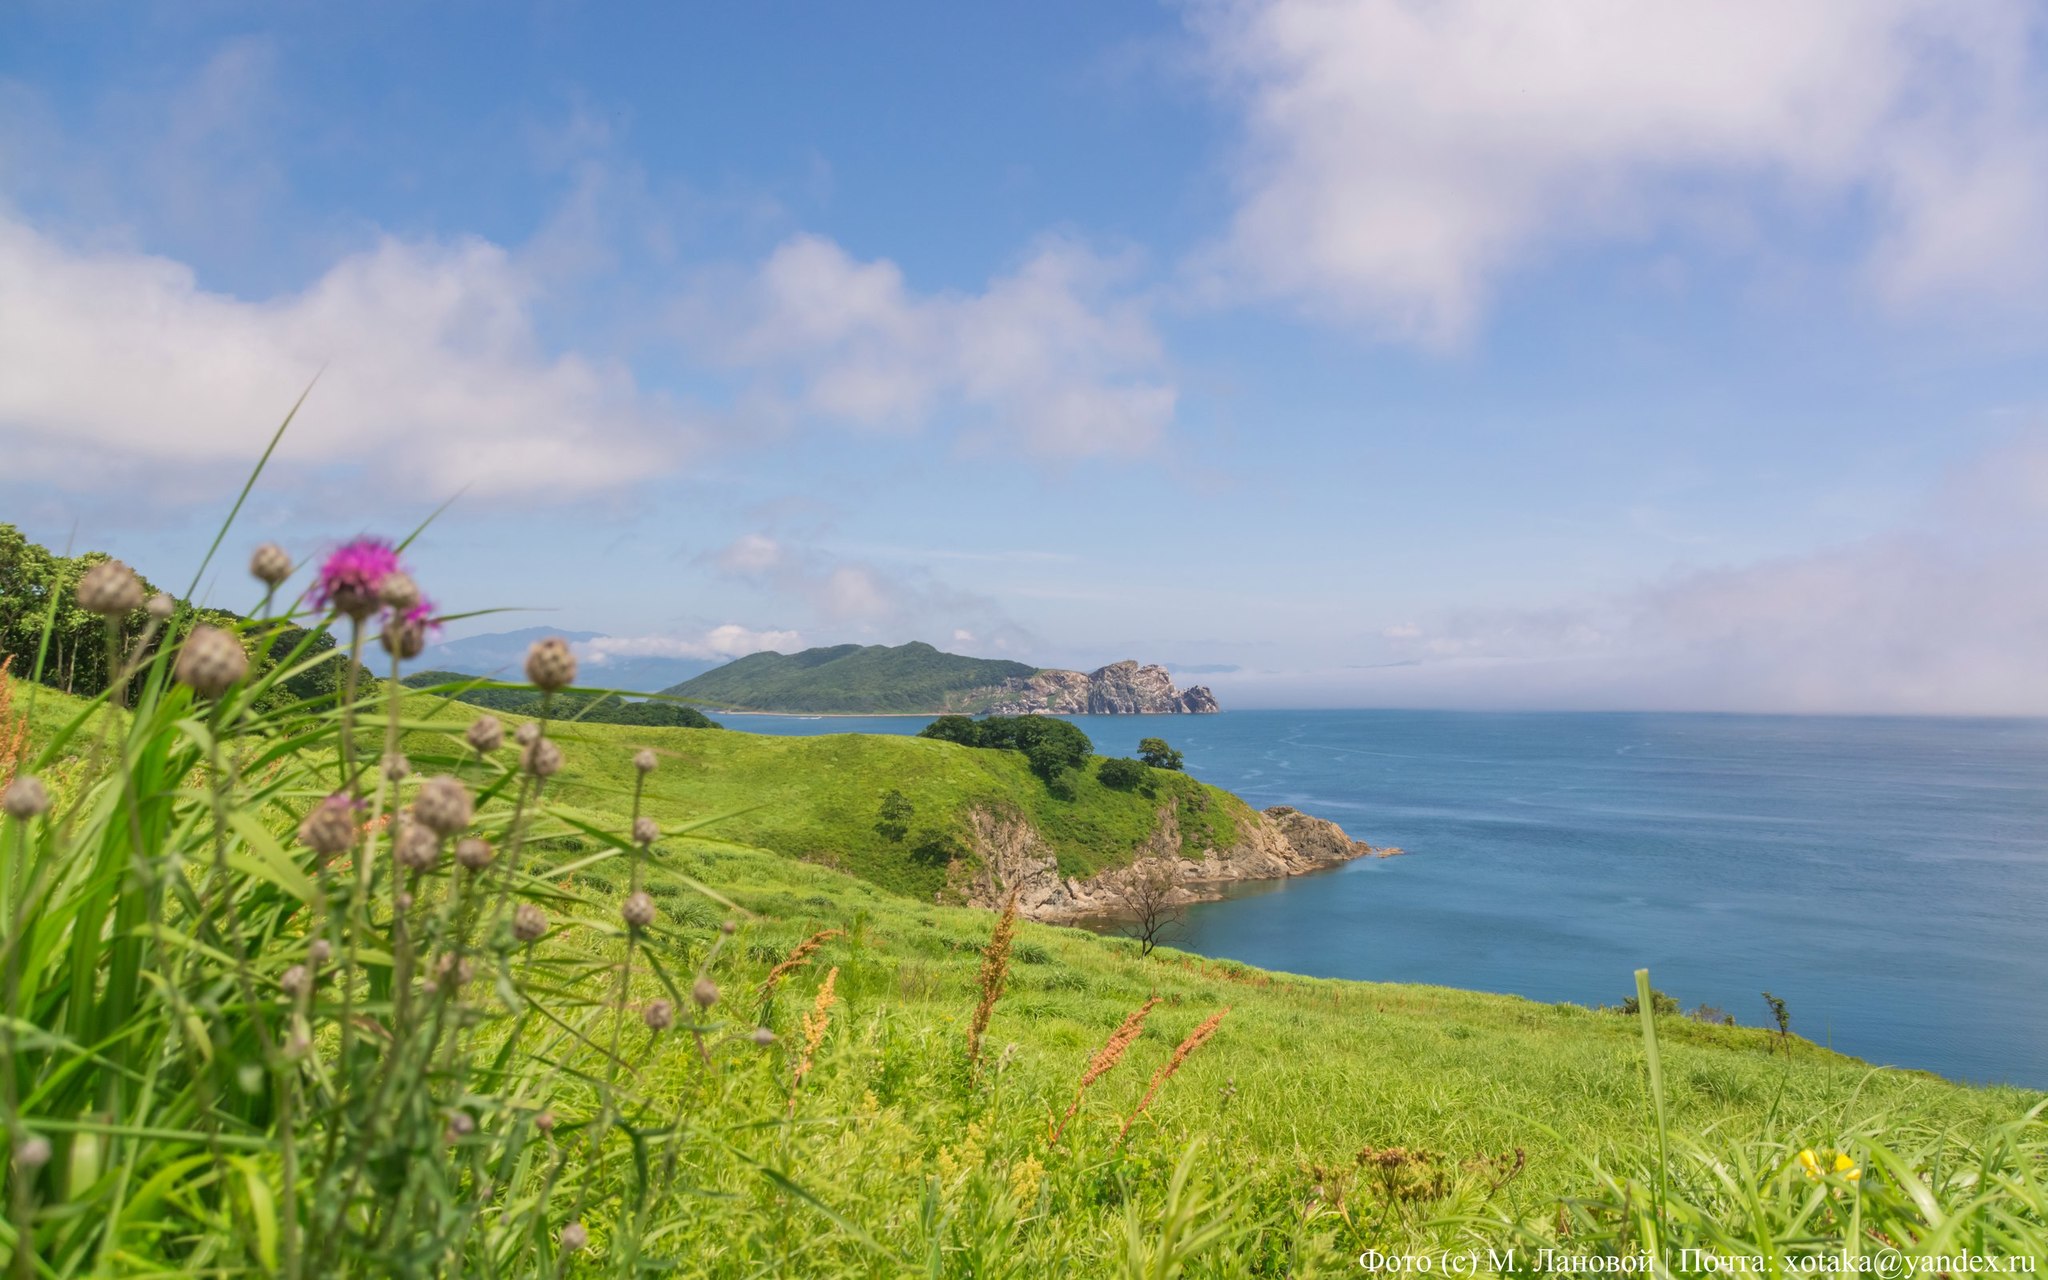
(594, 708)
(850, 678)
(819, 798)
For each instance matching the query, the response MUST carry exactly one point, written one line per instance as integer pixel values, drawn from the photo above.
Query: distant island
(917, 679)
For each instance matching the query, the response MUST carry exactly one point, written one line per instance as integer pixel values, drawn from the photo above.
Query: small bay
(1886, 877)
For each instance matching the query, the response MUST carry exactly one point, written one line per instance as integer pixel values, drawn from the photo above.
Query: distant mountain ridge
(501, 655)
(915, 678)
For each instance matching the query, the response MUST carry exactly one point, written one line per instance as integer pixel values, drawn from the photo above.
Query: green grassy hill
(819, 798)
(909, 678)
(572, 705)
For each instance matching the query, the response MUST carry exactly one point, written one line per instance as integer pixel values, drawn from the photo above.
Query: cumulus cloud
(853, 597)
(115, 361)
(750, 553)
(1050, 357)
(729, 640)
(1399, 157)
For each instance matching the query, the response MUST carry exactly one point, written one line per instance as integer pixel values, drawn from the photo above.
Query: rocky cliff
(1119, 689)
(1280, 842)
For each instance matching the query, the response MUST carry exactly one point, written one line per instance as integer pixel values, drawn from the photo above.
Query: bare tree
(1150, 905)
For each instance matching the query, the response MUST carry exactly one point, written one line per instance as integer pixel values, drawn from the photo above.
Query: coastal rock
(1119, 689)
(1013, 858)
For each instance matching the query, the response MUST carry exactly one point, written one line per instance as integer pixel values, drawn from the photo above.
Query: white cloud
(729, 640)
(1399, 157)
(750, 553)
(113, 361)
(852, 597)
(1050, 357)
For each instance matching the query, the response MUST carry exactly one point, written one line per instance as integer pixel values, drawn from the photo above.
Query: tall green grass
(227, 1053)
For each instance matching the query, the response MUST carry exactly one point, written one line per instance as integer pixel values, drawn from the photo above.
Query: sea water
(1887, 878)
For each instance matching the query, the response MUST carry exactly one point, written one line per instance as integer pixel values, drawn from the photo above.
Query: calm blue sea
(1888, 878)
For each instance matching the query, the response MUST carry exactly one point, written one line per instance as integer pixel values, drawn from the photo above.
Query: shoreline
(918, 715)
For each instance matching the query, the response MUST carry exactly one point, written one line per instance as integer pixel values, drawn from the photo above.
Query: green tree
(1122, 774)
(1155, 752)
(893, 819)
(961, 729)
(1052, 745)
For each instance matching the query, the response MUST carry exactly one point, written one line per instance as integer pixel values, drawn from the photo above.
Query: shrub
(892, 820)
(1121, 774)
(1155, 752)
(1051, 744)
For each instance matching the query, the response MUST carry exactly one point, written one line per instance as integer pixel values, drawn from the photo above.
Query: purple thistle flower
(422, 615)
(350, 577)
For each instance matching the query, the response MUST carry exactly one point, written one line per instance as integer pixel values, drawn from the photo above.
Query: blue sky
(1620, 354)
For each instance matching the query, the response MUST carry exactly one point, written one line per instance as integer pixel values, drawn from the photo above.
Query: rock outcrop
(1280, 842)
(1119, 689)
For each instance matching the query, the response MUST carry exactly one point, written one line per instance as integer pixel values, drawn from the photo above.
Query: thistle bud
(161, 607)
(417, 848)
(645, 831)
(762, 1036)
(529, 923)
(527, 734)
(460, 1125)
(474, 853)
(25, 798)
(443, 805)
(270, 565)
(486, 734)
(109, 589)
(659, 1015)
(398, 592)
(542, 758)
(455, 971)
(211, 661)
(296, 981)
(638, 910)
(644, 760)
(320, 951)
(31, 1154)
(729, 927)
(574, 1237)
(396, 766)
(404, 638)
(545, 1122)
(705, 993)
(550, 665)
(331, 826)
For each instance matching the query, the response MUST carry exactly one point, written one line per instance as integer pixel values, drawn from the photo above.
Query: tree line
(41, 622)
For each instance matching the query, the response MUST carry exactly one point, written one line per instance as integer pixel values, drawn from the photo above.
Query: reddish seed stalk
(1180, 1054)
(995, 970)
(1111, 1053)
(796, 959)
(815, 1024)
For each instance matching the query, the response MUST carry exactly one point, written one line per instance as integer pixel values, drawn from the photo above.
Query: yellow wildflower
(1025, 1176)
(1841, 1166)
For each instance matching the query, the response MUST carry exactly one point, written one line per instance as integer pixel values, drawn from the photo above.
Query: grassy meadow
(346, 986)
(818, 798)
